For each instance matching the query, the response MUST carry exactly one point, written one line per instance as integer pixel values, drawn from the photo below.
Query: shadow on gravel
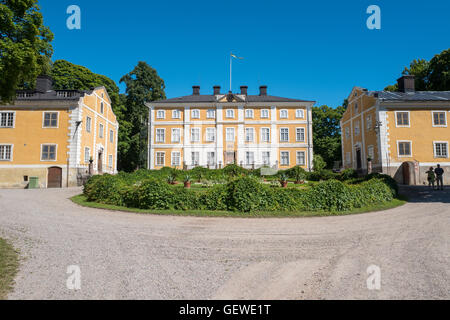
(424, 194)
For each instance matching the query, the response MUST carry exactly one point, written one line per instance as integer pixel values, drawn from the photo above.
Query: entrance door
(230, 157)
(406, 173)
(358, 159)
(100, 162)
(54, 177)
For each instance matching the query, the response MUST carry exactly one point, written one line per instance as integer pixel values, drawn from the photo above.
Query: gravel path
(130, 256)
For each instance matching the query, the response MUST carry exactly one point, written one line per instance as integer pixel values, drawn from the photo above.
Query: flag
(236, 57)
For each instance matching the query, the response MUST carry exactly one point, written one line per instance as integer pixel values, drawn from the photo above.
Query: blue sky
(314, 50)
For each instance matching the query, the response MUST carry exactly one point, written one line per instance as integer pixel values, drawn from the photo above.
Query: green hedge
(244, 194)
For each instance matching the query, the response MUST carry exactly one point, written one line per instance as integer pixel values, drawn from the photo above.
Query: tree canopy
(25, 48)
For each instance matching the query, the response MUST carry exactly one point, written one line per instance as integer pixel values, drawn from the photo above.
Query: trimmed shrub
(104, 189)
(216, 198)
(233, 170)
(185, 199)
(154, 194)
(347, 174)
(331, 195)
(246, 194)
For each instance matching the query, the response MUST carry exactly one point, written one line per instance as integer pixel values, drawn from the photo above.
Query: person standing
(431, 176)
(439, 177)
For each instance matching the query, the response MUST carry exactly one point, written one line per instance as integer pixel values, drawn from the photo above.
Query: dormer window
(356, 107)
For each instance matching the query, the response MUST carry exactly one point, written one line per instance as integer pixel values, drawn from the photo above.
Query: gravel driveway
(130, 256)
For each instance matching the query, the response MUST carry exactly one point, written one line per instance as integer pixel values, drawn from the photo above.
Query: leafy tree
(433, 75)
(327, 133)
(143, 85)
(25, 48)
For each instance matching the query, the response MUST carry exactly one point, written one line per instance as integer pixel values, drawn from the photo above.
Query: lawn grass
(9, 263)
(81, 200)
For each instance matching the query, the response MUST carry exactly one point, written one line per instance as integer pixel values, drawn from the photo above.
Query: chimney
(196, 90)
(406, 84)
(44, 83)
(244, 90)
(263, 91)
(216, 90)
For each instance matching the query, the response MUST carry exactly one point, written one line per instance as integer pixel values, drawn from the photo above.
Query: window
(100, 133)
(195, 114)
(160, 135)
(160, 114)
(348, 158)
(264, 114)
(87, 154)
(230, 134)
(211, 158)
(300, 134)
(111, 136)
(88, 124)
(356, 107)
(347, 132)
(265, 134)
(195, 135)
(176, 159)
(369, 123)
(110, 161)
(195, 156)
(210, 134)
(284, 135)
(176, 135)
(50, 120)
(249, 113)
(402, 119)
(404, 149)
(371, 152)
(357, 128)
(266, 158)
(249, 134)
(176, 114)
(6, 119)
(5, 152)
(249, 158)
(441, 149)
(230, 113)
(283, 114)
(301, 158)
(102, 109)
(48, 152)
(284, 158)
(439, 119)
(300, 113)
(211, 114)
(160, 159)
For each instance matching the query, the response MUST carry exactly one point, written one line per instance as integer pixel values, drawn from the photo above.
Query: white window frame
(11, 153)
(347, 132)
(210, 132)
(402, 125)
(102, 108)
(252, 130)
(265, 113)
(163, 157)
(229, 113)
(282, 111)
(111, 136)
(357, 128)
(371, 152)
(263, 135)
(56, 152)
(176, 114)
(13, 119)
(249, 113)
(110, 161)
(87, 155)
(281, 158)
(369, 122)
(210, 114)
(211, 161)
(302, 113)
(88, 124)
(304, 134)
(173, 135)
(195, 114)
(434, 149)
(410, 148)
(195, 160)
(249, 158)
(173, 157)
(263, 157)
(304, 158)
(348, 158)
(101, 130)
(282, 134)
(439, 125)
(192, 134)
(163, 130)
(43, 120)
(226, 134)
(160, 114)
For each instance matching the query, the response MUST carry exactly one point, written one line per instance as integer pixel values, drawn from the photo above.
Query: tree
(327, 133)
(433, 75)
(143, 85)
(25, 48)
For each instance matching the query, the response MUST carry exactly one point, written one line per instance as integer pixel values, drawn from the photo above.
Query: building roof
(214, 98)
(411, 96)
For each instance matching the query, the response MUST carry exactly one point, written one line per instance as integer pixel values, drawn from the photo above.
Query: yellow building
(53, 134)
(404, 132)
(218, 129)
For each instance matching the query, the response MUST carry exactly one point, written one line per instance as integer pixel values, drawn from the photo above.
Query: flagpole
(231, 70)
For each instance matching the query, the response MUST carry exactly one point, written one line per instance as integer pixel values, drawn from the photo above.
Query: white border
(410, 149)
(56, 151)
(43, 120)
(432, 119)
(12, 152)
(396, 119)
(14, 119)
(434, 149)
